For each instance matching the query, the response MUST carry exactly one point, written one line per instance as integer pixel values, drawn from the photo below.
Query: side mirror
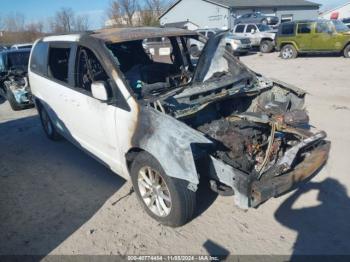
(99, 91)
(252, 31)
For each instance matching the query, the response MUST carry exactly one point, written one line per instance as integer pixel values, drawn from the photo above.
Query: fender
(169, 141)
(288, 43)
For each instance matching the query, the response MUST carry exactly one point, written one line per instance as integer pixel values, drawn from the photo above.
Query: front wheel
(347, 52)
(166, 199)
(266, 46)
(289, 52)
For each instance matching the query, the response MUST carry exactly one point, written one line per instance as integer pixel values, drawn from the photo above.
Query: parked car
(14, 84)
(346, 21)
(167, 126)
(260, 35)
(237, 45)
(257, 18)
(22, 46)
(322, 36)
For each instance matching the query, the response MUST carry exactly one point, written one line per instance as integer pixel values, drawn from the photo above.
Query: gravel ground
(54, 199)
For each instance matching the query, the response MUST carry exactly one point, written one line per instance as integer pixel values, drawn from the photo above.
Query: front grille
(245, 41)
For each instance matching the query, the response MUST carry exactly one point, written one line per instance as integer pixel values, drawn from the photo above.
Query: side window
(38, 63)
(304, 28)
(59, 63)
(322, 27)
(89, 70)
(210, 34)
(287, 29)
(240, 29)
(250, 28)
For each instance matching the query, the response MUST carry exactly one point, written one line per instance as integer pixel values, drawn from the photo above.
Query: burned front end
(262, 143)
(216, 118)
(18, 85)
(14, 84)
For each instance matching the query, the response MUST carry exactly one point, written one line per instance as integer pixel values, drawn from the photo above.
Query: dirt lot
(54, 199)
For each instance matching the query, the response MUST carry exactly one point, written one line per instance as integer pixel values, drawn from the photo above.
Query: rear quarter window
(38, 63)
(287, 29)
(304, 28)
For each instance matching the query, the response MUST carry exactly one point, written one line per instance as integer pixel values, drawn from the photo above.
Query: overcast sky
(96, 9)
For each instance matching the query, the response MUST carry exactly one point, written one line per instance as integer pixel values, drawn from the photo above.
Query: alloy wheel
(154, 191)
(287, 53)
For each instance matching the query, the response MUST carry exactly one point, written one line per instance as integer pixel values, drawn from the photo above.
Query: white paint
(67, 38)
(164, 51)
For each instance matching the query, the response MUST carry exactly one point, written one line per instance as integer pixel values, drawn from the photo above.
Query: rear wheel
(289, 52)
(47, 124)
(166, 199)
(266, 46)
(347, 52)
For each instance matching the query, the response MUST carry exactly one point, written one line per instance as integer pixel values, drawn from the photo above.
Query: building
(340, 12)
(222, 13)
(183, 25)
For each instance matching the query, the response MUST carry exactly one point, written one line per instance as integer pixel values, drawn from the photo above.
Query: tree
(63, 21)
(81, 23)
(14, 22)
(122, 12)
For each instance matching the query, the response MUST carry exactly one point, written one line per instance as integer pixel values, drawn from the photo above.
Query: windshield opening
(158, 66)
(340, 26)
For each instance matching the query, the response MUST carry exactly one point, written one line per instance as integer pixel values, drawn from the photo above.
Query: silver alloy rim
(47, 122)
(264, 47)
(287, 53)
(154, 191)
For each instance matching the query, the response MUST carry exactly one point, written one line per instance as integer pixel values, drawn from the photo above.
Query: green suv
(321, 36)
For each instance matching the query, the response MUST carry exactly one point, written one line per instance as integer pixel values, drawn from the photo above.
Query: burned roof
(117, 35)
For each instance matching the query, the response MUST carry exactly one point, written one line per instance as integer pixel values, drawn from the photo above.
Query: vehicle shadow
(205, 197)
(320, 55)
(322, 229)
(215, 250)
(48, 190)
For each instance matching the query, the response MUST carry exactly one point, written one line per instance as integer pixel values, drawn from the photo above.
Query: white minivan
(170, 124)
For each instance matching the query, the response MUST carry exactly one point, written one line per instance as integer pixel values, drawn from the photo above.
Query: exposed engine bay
(19, 85)
(258, 126)
(15, 87)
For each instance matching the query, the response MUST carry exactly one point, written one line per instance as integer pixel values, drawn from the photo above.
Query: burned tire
(266, 46)
(289, 52)
(47, 124)
(347, 52)
(166, 199)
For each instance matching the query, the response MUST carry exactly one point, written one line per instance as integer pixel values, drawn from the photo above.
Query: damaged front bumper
(250, 191)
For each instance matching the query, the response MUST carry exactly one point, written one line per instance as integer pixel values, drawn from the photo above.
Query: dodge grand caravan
(169, 123)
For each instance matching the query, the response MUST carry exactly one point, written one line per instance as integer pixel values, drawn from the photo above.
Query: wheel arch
(283, 44)
(346, 45)
(266, 39)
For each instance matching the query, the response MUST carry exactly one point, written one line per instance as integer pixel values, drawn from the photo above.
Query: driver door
(324, 38)
(93, 121)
